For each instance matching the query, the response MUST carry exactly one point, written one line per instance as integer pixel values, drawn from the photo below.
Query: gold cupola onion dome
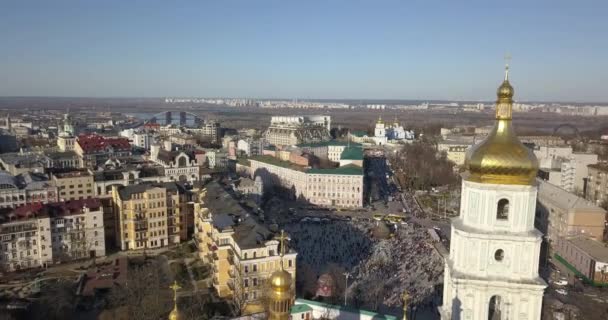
(380, 121)
(501, 158)
(280, 295)
(175, 314)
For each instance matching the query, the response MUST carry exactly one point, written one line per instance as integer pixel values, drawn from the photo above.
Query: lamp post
(346, 275)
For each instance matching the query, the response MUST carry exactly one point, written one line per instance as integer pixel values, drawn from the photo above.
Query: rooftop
(72, 173)
(564, 199)
(125, 193)
(104, 277)
(351, 170)
(352, 153)
(25, 160)
(53, 210)
(277, 162)
(227, 213)
(596, 249)
(93, 143)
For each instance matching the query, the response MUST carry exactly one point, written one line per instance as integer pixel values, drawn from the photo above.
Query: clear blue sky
(426, 49)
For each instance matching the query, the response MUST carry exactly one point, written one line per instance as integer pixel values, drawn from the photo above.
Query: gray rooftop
(226, 212)
(563, 198)
(595, 249)
(126, 192)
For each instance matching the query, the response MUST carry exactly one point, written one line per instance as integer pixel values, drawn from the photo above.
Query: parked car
(562, 292)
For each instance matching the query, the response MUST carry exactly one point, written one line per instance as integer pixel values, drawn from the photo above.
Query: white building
(492, 268)
(34, 235)
(380, 133)
(292, 130)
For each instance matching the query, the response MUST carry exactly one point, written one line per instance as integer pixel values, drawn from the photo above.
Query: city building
(151, 215)
(331, 150)
(22, 162)
(184, 165)
(139, 138)
(73, 184)
(243, 252)
(587, 258)
(597, 183)
(292, 130)
(329, 187)
(25, 188)
(250, 146)
(380, 132)
(252, 189)
(493, 263)
(36, 235)
(455, 151)
(564, 214)
(105, 179)
(94, 150)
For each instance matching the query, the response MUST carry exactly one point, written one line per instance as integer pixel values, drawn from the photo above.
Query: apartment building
(150, 215)
(330, 187)
(597, 183)
(24, 189)
(243, 252)
(292, 130)
(564, 214)
(73, 184)
(94, 150)
(35, 235)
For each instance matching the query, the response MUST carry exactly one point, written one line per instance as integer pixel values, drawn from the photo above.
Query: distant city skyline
(376, 50)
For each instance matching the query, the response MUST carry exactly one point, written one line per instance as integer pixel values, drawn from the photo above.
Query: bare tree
(145, 294)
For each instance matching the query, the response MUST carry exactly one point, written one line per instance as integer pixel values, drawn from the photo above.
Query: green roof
(277, 162)
(352, 153)
(350, 169)
(373, 315)
(358, 133)
(328, 143)
(299, 308)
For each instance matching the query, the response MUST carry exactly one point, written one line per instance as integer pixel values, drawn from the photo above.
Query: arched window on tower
(502, 210)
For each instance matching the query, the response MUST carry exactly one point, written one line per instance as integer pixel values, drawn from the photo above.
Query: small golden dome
(501, 158)
(175, 315)
(280, 281)
(505, 91)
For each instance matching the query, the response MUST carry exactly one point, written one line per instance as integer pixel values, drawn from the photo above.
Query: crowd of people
(381, 269)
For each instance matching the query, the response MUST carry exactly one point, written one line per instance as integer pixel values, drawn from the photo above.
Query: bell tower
(492, 269)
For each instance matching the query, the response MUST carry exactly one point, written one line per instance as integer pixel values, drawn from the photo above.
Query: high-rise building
(150, 215)
(492, 269)
(243, 252)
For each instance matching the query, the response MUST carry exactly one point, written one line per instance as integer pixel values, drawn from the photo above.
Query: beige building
(150, 215)
(560, 213)
(36, 235)
(586, 256)
(455, 151)
(242, 251)
(597, 183)
(292, 130)
(335, 187)
(73, 184)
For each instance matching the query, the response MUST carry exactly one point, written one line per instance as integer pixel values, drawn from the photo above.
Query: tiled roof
(93, 143)
(56, 209)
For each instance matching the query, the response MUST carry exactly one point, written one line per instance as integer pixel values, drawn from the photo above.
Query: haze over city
(428, 50)
(303, 160)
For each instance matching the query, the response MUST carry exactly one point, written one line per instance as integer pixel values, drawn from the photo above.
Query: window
(499, 255)
(502, 210)
(289, 263)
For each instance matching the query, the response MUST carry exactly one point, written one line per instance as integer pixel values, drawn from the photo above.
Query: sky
(331, 49)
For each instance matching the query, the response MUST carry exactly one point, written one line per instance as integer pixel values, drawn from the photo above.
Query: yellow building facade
(150, 215)
(241, 250)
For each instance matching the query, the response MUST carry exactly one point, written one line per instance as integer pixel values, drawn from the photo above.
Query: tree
(145, 293)
(418, 166)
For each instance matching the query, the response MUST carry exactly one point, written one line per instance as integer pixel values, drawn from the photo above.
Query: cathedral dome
(501, 158)
(175, 315)
(280, 281)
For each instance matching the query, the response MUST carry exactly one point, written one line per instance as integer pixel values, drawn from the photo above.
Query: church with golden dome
(492, 268)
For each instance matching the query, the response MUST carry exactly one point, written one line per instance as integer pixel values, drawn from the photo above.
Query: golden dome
(175, 315)
(280, 281)
(501, 158)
